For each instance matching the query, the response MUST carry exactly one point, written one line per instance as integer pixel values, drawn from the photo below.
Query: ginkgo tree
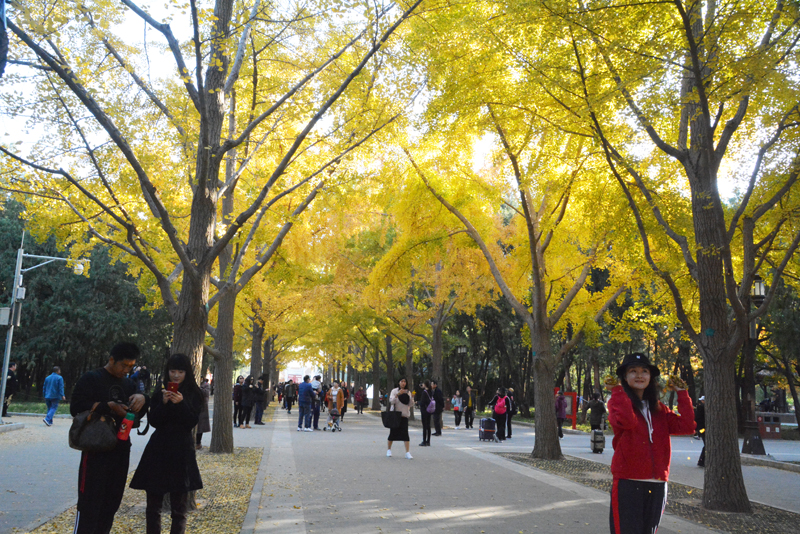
(691, 102)
(537, 212)
(207, 166)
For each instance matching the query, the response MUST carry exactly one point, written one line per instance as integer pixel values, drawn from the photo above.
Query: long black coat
(169, 463)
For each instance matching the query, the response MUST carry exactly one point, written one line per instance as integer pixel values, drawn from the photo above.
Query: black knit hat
(637, 358)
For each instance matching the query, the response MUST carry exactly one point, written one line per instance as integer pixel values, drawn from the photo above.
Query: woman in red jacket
(642, 450)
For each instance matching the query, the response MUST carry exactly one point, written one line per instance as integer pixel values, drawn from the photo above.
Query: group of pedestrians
(248, 394)
(313, 398)
(168, 465)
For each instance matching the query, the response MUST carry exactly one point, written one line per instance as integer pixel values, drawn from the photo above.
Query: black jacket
(101, 386)
(438, 396)
(598, 411)
(424, 399)
(700, 416)
(168, 462)
(248, 395)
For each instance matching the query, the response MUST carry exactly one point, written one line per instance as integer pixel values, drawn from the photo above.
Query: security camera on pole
(11, 316)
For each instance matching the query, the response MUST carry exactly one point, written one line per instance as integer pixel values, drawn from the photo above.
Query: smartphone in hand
(172, 386)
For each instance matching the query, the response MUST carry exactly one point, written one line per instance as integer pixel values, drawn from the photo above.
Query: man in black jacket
(437, 415)
(469, 402)
(12, 385)
(102, 475)
(700, 421)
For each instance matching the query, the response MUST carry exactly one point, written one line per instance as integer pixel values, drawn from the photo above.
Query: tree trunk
(389, 364)
(222, 429)
(256, 361)
(410, 374)
(376, 380)
(436, 350)
(547, 445)
(748, 406)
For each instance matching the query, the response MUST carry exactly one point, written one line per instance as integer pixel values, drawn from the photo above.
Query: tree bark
(376, 379)
(256, 342)
(410, 373)
(389, 364)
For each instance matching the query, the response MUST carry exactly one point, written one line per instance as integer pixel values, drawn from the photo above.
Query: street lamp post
(12, 314)
(752, 435)
(462, 351)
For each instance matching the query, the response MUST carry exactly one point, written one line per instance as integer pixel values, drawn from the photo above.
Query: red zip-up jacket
(635, 457)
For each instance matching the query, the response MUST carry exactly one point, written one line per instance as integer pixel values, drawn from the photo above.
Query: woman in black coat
(168, 463)
(248, 400)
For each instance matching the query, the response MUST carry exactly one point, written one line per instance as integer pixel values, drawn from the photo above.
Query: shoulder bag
(92, 432)
(391, 418)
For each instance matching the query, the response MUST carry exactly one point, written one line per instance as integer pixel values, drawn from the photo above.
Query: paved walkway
(343, 482)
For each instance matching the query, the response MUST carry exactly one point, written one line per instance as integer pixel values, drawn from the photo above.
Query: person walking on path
(102, 475)
(288, 394)
(438, 396)
(458, 409)
(360, 400)
(248, 399)
(316, 404)
(400, 400)
(204, 421)
(237, 401)
(642, 449)
(700, 428)
(259, 400)
(53, 392)
(424, 401)
(511, 411)
(596, 410)
(346, 394)
(500, 407)
(334, 398)
(169, 463)
(12, 385)
(469, 407)
(305, 396)
(561, 412)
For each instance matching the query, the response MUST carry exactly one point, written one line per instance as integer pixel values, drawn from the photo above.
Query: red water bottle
(125, 427)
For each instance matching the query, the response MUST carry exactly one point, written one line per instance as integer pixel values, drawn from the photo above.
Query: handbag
(431, 404)
(391, 418)
(92, 432)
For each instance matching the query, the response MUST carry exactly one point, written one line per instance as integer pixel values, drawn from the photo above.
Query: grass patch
(36, 407)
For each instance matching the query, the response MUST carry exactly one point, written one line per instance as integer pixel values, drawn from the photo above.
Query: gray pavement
(322, 482)
(343, 482)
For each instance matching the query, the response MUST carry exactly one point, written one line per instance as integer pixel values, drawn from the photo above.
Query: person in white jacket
(401, 400)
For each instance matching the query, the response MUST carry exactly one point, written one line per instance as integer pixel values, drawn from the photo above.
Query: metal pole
(10, 335)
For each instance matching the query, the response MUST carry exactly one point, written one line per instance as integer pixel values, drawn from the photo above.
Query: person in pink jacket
(642, 449)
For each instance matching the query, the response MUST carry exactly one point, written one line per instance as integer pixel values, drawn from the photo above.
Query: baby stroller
(333, 420)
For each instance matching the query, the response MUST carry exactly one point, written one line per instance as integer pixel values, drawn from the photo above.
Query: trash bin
(769, 426)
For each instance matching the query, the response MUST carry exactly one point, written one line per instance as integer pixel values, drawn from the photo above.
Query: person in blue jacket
(53, 392)
(305, 398)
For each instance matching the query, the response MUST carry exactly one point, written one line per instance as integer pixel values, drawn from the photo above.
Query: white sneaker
(408, 456)
(389, 453)
(299, 429)
(308, 430)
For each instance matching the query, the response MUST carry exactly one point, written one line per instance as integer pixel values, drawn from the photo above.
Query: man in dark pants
(102, 475)
(700, 421)
(288, 394)
(12, 385)
(437, 415)
(469, 407)
(316, 385)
